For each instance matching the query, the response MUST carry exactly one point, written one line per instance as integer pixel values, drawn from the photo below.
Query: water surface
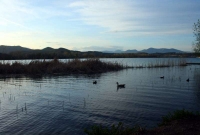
(68, 104)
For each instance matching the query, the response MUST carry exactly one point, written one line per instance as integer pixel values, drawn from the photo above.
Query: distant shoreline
(76, 66)
(21, 53)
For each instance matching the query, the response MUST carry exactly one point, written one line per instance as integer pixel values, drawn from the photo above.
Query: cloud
(107, 14)
(126, 16)
(101, 48)
(22, 11)
(115, 16)
(6, 22)
(53, 42)
(89, 24)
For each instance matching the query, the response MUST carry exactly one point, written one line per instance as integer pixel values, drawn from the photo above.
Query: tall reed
(56, 66)
(163, 63)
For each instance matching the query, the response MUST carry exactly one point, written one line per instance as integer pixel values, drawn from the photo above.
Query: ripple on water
(68, 104)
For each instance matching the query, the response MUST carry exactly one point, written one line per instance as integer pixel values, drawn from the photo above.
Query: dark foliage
(55, 67)
(196, 29)
(177, 115)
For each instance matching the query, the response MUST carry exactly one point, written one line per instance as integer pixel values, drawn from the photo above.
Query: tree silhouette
(196, 29)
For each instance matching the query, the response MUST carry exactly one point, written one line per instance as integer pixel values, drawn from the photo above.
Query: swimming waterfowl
(188, 80)
(120, 85)
(95, 82)
(162, 77)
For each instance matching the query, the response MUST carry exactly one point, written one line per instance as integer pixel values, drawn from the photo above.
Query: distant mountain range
(18, 52)
(149, 50)
(9, 49)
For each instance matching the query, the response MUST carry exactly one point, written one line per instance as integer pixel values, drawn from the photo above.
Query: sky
(99, 25)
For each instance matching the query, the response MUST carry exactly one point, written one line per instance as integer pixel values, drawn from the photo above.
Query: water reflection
(69, 103)
(197, 84)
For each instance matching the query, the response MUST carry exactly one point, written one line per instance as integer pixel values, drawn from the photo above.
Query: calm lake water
(68, 104)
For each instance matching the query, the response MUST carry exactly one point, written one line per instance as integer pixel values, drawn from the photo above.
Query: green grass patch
(177, 115)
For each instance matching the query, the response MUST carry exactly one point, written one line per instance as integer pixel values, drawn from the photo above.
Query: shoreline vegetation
(43, 67)
(180, 122)
(76, 66)
(162, 63)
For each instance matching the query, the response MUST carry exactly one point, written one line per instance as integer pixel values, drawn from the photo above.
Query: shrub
(177, 115)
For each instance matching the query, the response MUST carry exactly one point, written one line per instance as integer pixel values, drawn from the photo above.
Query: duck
(188, 80)
(120, 85)
(162, 77)
(95, 82)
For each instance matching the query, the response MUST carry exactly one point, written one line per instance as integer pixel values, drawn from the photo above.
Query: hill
(161, 50)
(149, 51)
(18, 52)
(9, 49)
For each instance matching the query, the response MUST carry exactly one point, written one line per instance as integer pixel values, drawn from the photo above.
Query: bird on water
(188, 80)
(120, 85)
(95, 82)
(162, 77)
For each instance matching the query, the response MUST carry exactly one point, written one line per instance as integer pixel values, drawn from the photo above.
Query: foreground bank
(180, 122)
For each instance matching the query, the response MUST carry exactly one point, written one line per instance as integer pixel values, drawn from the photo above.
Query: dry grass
(55, 66)
(76, 66)
(163, 63)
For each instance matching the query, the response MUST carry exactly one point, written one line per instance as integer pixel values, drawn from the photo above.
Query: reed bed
(57, 67)
(162, 63)
(78, 66)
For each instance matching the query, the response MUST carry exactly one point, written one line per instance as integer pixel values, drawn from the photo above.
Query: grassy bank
(180, 122)
(57, 67)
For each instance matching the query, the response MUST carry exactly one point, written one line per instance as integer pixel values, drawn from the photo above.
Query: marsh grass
(57, 67)
(178, 115)
(162, 63)
(93, 65)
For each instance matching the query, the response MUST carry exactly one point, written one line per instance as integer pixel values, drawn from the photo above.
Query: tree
(196, 29)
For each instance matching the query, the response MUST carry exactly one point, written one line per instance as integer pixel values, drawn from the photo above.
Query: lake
(67, 104)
